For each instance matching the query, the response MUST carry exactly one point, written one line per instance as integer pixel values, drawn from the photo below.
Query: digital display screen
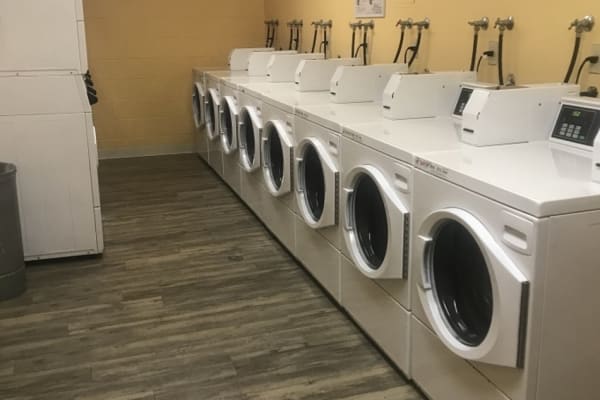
(577, 124)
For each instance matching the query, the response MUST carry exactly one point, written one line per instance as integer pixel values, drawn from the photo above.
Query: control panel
(463, 99)
(577, 124)
(466, 90)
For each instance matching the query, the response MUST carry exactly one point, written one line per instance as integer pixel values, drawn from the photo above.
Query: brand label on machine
(353, 136)
(432, 168)
(302, 114)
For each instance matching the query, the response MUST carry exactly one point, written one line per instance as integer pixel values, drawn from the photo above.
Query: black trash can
(12, 264)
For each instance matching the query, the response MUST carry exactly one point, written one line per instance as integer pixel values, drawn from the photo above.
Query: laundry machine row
(396, 216)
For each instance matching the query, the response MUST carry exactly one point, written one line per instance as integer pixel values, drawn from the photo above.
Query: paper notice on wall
(369, 8)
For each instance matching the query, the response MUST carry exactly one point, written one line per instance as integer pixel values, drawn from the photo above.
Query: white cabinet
(46, 129)
(41, 36)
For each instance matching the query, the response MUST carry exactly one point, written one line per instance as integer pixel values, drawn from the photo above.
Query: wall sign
(369, 8)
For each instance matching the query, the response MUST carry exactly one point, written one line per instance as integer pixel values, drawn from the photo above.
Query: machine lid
(316, 184)
(404, 139)
(334, 116)
(289, 100)
(249, 133)
(376, 224)
(474, 296)
(277, 151)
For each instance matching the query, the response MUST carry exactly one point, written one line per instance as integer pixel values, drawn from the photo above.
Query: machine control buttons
(577, 124)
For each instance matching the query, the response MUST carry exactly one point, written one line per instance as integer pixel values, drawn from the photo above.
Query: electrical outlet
(493, 46)
(595, 68)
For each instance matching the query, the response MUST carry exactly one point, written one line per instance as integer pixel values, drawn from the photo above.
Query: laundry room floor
(193, 299)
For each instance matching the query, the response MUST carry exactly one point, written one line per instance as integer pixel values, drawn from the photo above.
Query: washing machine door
(198, 99)
(474, 296)
(277, 153)
(250, 131)
(376, 224)
(211, 113)
(317, 183)
(228, 122)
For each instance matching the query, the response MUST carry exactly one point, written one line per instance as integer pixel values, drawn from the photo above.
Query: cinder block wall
(141, 53)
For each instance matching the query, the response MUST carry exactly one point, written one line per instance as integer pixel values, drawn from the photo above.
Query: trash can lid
(7, 170)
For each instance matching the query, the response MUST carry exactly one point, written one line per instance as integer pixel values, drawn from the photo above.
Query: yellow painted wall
(537, 50)
(141, 53)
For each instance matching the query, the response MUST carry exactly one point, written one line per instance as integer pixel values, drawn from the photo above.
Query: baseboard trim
(144, 151)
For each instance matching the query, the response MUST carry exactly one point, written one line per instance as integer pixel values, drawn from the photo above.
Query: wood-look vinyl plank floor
(192, 299)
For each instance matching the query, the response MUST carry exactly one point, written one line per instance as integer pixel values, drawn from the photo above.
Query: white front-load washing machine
(385, 290)
(215, 82)
(251, 91)
(376, 195)
(277, 149)
(504, 267)
(317, 167)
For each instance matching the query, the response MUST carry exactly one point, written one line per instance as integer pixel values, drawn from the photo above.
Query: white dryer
(217, 81)
(277, 149)
(504, 267)
(317, 166)
(376, 197)
(250, 127)
(385, 285)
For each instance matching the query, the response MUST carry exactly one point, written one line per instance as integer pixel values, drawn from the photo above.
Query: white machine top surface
(219, 74)
(206, 70)
(405, 139)
(336, 116)
(538, 178)
(289, 100)
(235, 81)
(263, 89)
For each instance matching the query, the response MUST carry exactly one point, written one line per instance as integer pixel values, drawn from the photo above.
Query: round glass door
(197, 106)
(273, 156)
(226, 124)
(461, 282)
(314, 181)
(370, 221)
(247, 138)
(210, 115)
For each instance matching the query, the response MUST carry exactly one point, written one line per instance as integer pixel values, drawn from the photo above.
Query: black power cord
(591, 60)
(474, 52)
(489, 53)
(415, 48)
